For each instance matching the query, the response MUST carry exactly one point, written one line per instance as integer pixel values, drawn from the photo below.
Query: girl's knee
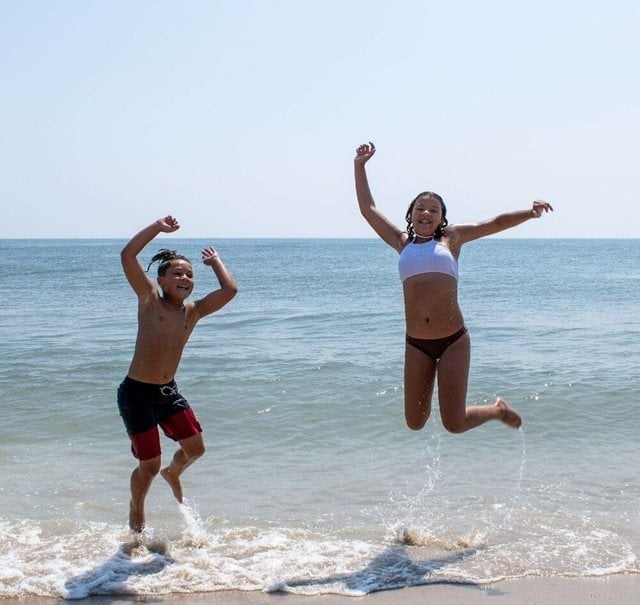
(454, 425)
(415, 423)
(416, 413)
(415, 426)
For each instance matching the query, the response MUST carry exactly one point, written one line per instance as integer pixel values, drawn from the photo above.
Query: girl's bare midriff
(431, 306)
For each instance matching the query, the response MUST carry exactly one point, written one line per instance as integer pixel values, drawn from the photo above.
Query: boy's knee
(192, 447)
(194, 451)
(150, 468)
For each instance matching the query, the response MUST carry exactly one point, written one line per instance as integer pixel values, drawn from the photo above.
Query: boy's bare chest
(166, 323)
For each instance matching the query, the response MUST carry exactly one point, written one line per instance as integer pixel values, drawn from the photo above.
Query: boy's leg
(190, 450)
(184, 428)
(141, 479)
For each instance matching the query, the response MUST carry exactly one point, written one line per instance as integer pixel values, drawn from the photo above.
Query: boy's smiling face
(177, 283)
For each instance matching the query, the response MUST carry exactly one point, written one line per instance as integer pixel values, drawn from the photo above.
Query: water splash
(194, 533)
(414, 508)
(150, 539)
(523, 461)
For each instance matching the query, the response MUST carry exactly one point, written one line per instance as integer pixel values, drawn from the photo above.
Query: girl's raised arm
(388, 232)
(470, 231)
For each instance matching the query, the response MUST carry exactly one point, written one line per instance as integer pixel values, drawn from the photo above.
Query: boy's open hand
(168, 224)
(209, 255)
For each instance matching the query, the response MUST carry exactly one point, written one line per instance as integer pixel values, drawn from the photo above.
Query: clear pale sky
(241, 117)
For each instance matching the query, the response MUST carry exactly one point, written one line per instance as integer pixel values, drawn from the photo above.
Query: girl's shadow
(390, 570)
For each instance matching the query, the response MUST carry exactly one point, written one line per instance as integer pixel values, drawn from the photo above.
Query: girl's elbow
(232, 290)
(367, 212)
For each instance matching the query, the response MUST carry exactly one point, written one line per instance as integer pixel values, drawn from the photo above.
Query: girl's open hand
(364, 153)
(540, 206)
(209, 254)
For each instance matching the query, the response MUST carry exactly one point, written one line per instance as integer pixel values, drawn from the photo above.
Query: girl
(437, 341)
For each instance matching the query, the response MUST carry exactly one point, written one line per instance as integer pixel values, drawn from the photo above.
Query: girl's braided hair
(164, 257)
(439, 232)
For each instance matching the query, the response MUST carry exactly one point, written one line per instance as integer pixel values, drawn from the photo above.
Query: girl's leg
(419, 378)
(190, 450)
(453, 376)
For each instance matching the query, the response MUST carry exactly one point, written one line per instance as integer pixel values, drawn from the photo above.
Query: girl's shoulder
(452, 240)
(450, 235)
(404, 239)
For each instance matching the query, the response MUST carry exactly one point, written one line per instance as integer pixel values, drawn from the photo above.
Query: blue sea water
(311, 482)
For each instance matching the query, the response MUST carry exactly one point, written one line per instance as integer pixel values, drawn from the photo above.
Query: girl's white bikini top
(430, 257)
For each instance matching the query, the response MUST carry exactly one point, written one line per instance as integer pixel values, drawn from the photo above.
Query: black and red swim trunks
(145, 406)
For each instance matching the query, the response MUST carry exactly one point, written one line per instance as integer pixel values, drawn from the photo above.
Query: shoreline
(611, 590)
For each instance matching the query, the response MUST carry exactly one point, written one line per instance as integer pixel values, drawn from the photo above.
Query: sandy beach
(614, 590)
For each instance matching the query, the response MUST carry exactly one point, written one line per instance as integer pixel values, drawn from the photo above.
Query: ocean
(311, 482)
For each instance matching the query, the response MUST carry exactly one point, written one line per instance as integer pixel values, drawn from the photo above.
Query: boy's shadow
(110, 578)
(390, 570)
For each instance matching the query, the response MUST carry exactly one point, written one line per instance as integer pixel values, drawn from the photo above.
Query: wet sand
(611, 590)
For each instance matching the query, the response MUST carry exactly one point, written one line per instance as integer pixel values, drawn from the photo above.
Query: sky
(241, 117)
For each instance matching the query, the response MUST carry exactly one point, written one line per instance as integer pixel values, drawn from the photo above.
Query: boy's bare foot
(136, 518)
(508, 415)
(174, 482)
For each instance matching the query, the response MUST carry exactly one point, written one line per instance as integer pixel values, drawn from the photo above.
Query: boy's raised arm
(135, 274)
(228, 287)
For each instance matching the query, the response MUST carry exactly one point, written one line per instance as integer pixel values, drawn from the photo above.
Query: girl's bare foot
(508, 415)
(174, 482)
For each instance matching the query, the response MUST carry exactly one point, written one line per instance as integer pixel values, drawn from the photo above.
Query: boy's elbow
(127, 252)
(126, 256)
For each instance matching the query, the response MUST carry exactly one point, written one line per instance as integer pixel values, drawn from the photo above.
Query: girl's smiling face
(426, 215)
(177, 282)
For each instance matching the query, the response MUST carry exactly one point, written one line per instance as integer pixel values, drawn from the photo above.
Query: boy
(149, 396)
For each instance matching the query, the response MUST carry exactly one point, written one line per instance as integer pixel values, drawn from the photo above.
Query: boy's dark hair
(439, 232)
(164, 257)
